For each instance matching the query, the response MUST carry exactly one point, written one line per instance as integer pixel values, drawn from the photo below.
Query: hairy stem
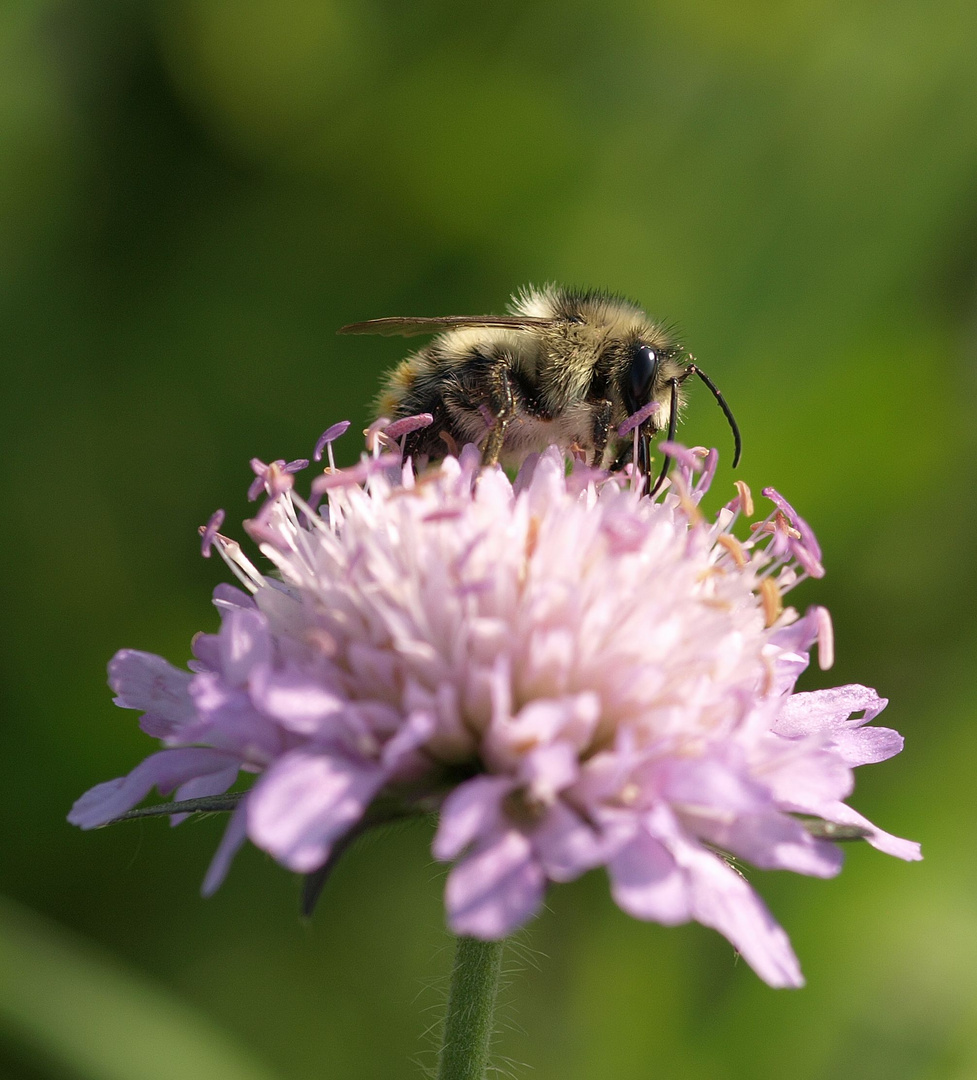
(469, 1024)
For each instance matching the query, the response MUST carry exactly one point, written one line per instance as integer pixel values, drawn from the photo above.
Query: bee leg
(601, 430)
(503, 408)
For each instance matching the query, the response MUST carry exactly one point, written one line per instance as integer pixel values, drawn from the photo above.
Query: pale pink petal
(244, 644)
(801, 779)
(713, 782)
(570, 717)
(305, 802)
(721, 898)
(413, 733)
(234, 836)
(566, 845)
(145, 681)
(496, 889)
(226, 718)
(206, 653)
(471, 810)
(165, 771)
(828, 713)
(295, 698)
(451, 740)
(772, 841)
(647, 883)
(227, 597)
(877, 838)
(809, 712)
(547, 770)
(201, 786)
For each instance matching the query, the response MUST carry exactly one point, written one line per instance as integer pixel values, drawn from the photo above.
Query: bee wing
(410, 327)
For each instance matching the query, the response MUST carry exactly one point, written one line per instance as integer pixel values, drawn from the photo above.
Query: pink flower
(575, 675)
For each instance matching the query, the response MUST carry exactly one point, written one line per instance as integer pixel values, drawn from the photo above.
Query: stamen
(690, 457)
(355, 474)
(208, 532)
(807, 533)
(238, 563)
(374, 434)
(322, 641)
(745, 497)
(328, 437)
(688, 505)
(773, 604)
(629, 794)
(672, 421)
(638, 418)
(734, 547)
(312, 519)
(826, 639)
(446, 513)
(408, 424)
(275, 478)
(259, 468)
(532, 536)
(708, 473)
(784, 526)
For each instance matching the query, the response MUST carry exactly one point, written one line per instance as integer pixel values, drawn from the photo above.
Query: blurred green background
(193, 196)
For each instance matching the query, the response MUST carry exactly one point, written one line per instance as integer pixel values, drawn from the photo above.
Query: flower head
(575, 675)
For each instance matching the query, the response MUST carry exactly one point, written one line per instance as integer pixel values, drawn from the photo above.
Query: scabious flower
(573, 674)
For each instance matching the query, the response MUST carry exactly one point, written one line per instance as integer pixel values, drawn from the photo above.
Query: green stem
(469, 1024)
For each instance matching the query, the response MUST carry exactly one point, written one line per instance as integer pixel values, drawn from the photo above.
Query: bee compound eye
(644, 366)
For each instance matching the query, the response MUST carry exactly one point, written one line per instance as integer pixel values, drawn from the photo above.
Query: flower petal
(201, 786)
(306, 801)
(145, 681)
(722, 898)
(244, 644)
(226, 718)
(589, 675)
(566, 845)
(547, 770)
(413, 733)
(877, 838)
(234, 836)
(647, 883)
(495, 889)
(470, 811)
(802, 778)
(295, 698)
(773, 841)
(828, 712)
(165, 771)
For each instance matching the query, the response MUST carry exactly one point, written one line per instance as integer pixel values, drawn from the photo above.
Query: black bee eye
(644, 366)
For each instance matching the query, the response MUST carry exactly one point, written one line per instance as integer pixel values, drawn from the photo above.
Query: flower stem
(469, 1024)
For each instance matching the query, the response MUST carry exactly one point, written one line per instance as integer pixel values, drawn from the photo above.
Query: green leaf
(70, 1007)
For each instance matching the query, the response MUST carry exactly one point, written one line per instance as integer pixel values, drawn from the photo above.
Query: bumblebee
(565, 366)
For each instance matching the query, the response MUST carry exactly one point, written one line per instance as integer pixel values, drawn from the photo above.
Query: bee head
(645, 372)
(640, 377)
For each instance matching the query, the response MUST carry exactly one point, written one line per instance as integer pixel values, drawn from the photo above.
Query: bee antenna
(694, 369)
(672, 421)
